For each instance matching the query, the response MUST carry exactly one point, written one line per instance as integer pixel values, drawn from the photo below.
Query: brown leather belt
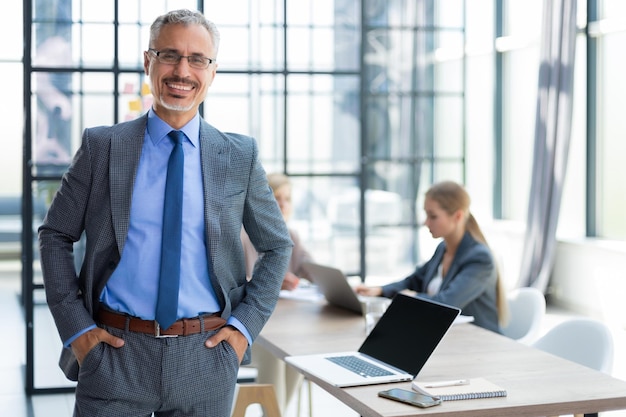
(182, 327)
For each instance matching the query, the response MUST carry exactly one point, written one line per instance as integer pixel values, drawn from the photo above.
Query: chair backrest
(527, 308)
(585, 341)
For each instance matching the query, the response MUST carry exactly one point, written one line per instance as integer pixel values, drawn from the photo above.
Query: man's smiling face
(178, 90)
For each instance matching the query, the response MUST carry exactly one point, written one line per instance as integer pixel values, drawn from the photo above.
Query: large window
(361, 103)
(11, 107)
(609, 35)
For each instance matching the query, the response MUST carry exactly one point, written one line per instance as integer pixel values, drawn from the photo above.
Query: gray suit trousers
(170, 377)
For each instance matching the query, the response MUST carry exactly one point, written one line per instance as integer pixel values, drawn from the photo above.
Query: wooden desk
(538, 384)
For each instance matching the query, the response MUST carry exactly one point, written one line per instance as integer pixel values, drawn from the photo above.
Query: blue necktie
(169, 279)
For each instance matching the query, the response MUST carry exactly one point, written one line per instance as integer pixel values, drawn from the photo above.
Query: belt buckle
(157, 332)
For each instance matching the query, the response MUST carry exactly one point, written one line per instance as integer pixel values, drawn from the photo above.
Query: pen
(447, 383)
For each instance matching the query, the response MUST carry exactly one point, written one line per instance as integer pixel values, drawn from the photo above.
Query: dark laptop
(396, 349)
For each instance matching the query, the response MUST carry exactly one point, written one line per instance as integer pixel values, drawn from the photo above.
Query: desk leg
(310, 394)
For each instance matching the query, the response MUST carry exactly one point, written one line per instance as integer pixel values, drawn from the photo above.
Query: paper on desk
(305, 293)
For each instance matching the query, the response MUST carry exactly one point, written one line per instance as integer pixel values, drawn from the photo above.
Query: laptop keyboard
(359, 366)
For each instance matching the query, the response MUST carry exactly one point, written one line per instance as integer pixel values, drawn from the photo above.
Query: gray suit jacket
(469, 284)
(94, 198)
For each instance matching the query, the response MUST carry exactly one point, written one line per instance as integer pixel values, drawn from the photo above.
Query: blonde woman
(462, 271)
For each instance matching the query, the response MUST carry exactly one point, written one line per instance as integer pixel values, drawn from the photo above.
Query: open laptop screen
(408, 332)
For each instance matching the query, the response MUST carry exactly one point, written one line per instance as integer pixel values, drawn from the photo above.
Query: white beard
(175, 107)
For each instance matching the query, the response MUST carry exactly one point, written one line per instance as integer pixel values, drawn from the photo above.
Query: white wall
(589, 275)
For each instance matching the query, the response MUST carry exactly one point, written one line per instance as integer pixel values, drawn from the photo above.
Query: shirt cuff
(232, 321)
(69, 341)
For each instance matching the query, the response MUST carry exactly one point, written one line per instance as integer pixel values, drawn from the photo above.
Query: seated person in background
(462, 271)
(281, 186)
(272, 370)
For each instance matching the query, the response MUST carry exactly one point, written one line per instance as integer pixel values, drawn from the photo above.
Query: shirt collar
(158, 129)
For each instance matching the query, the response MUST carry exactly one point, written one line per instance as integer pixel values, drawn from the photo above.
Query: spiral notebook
(477, 388)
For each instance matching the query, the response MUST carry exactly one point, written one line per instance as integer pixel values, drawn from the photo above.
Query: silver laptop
(334, 285)
(396, 349)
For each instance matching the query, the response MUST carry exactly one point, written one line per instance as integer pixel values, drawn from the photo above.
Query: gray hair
(185, 17)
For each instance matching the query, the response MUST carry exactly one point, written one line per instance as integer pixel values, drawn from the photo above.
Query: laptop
(396, 349)
(333, 283)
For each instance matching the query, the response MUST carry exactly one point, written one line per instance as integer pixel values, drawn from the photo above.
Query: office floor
(14, 403)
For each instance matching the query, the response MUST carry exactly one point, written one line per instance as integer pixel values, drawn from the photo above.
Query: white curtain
(552, 139)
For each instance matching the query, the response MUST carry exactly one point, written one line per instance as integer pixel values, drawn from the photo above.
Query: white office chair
(527, 308)
(585, 341)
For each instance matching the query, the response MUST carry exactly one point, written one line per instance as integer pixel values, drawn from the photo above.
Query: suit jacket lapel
(214, 151)
(126, 146)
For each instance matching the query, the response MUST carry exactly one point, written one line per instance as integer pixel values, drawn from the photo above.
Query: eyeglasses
(172, 58)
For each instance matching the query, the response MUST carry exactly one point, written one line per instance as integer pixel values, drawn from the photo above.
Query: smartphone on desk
(410, 397)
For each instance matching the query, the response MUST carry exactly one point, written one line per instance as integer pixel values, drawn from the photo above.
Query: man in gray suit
(125, 362)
